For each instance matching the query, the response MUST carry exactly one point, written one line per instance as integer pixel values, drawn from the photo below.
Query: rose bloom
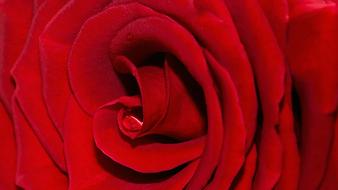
(168, 94)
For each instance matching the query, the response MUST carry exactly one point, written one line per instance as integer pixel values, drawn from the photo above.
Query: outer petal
(35, 169)
(268, 64)
(331, 175)
(277, 13)
(55, 46)
(29, 91)
(249, 169)
(233, 147)
(172, 102)
(8, 151)
(312, 53)
(15, 19)
(290, 153)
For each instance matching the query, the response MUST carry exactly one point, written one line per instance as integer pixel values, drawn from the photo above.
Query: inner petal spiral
(169, 99)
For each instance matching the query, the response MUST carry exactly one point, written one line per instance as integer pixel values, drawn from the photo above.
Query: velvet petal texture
(26, 72)
(33, 163)
(7, 153)
(55, 44)
(267, 62)
(314, 65)
(233, 147)
(15, 18)
(168, 94)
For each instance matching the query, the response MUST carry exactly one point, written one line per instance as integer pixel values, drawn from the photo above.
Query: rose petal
(15, 19)
(208, 21)
(312, 48)
(154, 95)
(291, 160)
(34, 165)
(8, 151)
(26, 73)
(233, 150)
(185, 117)
(85, 161)
(249, 168)
(55, 45)
(268, 64)
(92, 77)
(277, 14)
(330, 179)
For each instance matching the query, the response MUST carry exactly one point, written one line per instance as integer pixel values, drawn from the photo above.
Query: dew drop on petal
(131, 123)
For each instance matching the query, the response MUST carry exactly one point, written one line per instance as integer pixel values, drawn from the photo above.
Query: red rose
(169, 94)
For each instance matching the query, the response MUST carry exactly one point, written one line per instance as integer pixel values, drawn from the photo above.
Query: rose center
(131, 123)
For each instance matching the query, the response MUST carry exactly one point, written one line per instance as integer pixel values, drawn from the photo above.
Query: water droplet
(131, 123)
